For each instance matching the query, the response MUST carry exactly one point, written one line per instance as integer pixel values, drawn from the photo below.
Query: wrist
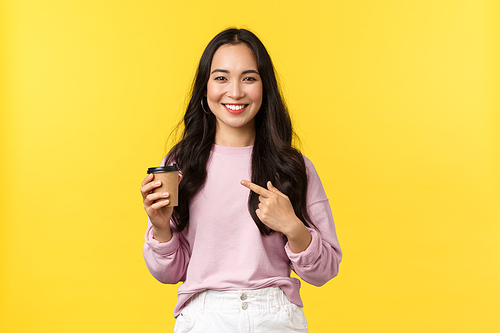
(162, 235)
(295, 228)
(298, 236)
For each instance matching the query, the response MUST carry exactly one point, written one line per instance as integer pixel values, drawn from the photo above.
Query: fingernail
(165, 194)
(166, 202)
(157, 183)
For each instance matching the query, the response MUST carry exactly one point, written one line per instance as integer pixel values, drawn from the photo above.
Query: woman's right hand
(153, 202)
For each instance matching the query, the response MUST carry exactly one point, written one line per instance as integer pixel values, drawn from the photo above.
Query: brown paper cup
(169, 177)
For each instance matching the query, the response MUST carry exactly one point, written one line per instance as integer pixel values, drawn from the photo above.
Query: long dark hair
(273, 156)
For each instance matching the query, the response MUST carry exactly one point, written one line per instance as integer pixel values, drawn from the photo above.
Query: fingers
(262, 191)
(152, 197)
(158, 213)
(260, 211)
(148, 187)
(158, 205)
(255, 188)
(148, 178)
(273, 189)
(154, 202)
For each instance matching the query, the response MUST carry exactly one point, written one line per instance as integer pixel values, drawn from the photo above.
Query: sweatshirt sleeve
(319, 263)
(168, 261)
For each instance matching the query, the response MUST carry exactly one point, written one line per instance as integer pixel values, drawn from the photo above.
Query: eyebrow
(244, 72)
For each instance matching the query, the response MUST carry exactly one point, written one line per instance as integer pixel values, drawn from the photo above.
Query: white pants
(264, 310)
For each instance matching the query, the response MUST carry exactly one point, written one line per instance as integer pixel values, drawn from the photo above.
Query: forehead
(236, 57)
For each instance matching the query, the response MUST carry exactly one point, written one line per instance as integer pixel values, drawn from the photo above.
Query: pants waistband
(265, 299)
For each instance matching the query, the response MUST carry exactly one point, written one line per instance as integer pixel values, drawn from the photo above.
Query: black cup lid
(163, 169)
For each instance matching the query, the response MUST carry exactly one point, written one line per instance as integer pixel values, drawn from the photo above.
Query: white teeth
(234, 107)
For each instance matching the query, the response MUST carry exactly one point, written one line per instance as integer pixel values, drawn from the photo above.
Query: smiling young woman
(251, 206)
(234, 94)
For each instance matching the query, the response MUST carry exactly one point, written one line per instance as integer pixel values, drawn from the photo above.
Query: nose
(235, 90)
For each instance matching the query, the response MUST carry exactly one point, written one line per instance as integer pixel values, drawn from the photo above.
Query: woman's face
(234, 89)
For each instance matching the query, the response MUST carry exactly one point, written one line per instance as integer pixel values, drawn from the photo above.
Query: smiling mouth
(235, 108)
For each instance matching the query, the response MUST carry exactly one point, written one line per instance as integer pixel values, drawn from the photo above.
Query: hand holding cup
(160, 194)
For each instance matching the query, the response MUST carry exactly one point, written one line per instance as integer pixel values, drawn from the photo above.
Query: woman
(251, 207)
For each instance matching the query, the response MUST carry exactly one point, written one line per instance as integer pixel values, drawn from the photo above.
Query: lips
(235, 108)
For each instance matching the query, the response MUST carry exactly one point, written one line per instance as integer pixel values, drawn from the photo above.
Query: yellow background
(397, 105)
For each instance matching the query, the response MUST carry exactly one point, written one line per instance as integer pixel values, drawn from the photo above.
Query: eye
(249, 79)
(219, 78)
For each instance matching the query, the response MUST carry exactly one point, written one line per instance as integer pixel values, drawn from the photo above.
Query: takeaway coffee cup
(169, 177)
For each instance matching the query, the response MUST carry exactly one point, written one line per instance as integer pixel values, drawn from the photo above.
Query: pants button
(243, 296)
(244, 306)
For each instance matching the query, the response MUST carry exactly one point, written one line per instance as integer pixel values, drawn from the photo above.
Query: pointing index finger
(256, 188)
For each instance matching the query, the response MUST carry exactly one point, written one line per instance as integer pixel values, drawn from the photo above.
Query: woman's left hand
(275, 209)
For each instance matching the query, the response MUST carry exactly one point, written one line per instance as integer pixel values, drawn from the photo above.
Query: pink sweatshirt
(222, 248)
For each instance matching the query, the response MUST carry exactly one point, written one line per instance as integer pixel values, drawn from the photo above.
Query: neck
(235, 137)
